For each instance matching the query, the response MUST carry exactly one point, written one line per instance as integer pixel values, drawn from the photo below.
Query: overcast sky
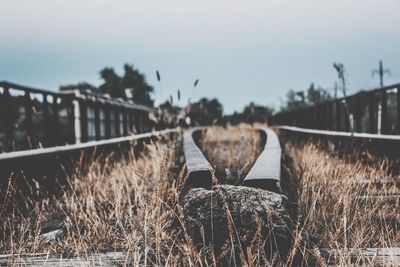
(241, 51)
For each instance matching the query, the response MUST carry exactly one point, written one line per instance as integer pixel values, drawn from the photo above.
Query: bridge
(51, 140)
(33, 118)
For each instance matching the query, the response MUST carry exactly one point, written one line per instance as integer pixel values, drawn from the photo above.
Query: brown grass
(231, 151)
(127, 206)
(331, 213)
(133, 206)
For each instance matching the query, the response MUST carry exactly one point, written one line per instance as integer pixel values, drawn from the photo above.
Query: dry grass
(231, 151)
(133, 206)
(331, 213)
(127, 206)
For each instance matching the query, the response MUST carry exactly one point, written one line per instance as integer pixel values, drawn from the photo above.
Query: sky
(241, 51)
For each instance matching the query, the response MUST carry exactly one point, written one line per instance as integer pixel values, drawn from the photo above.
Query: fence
(32, 118)
(376, 111)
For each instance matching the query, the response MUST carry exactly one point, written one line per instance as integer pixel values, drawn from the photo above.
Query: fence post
(107, 120)
(357, 113)
(8, 127)
(47, 128)
(55, 122)
(116, 121)
(384, 124)
(338, 116)
(83, 120)
(96, 120)
(310, 114)
(125, 121)
(315, 117)
(398, 110)
(28, 119)
(325, 118)
(372, 112)
(130, 119)
(72, 115)
(330, 115)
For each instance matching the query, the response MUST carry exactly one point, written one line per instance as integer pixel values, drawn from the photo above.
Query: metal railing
(376, 112)
(33, 118)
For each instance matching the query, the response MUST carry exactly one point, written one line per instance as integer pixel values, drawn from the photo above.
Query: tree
(205, 112)
(112, 83)
(317, 95)
(300, 99)
(251, 113)
(256, 113)
(82, 86)
(294, 100)
(136, 82)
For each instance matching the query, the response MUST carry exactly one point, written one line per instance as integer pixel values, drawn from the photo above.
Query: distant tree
(313, 95)
(82, 86)
(294, 100)
(205, 112)
(256, 113)
(136, 82)
(112, 83)
(251, 113)
(317, 95)
(234, 119)
(116, 86)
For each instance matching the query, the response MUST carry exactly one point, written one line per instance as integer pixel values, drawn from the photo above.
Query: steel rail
(50, 165)
(198, 168)
(266, 171)
(91, 144)
(384, 137)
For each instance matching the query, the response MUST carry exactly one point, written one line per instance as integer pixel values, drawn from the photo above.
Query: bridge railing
(33, 118)
(376, 111)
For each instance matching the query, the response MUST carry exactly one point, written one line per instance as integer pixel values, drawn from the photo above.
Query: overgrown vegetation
(231, 155)
(342, 204)
(134, 206)
(123, 206)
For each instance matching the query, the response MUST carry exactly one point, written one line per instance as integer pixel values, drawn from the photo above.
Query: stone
(244, 216)
(51, 236)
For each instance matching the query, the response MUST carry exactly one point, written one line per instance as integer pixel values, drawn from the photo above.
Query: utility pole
(381, 71)
(382, 107)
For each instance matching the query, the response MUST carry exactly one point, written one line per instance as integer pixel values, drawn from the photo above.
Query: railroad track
(265, 172)
(380, 145)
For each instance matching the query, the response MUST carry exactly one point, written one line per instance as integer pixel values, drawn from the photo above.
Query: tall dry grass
(333, 212)
(122, 206)
(343, 204)
(231, 151)
(134, 206)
